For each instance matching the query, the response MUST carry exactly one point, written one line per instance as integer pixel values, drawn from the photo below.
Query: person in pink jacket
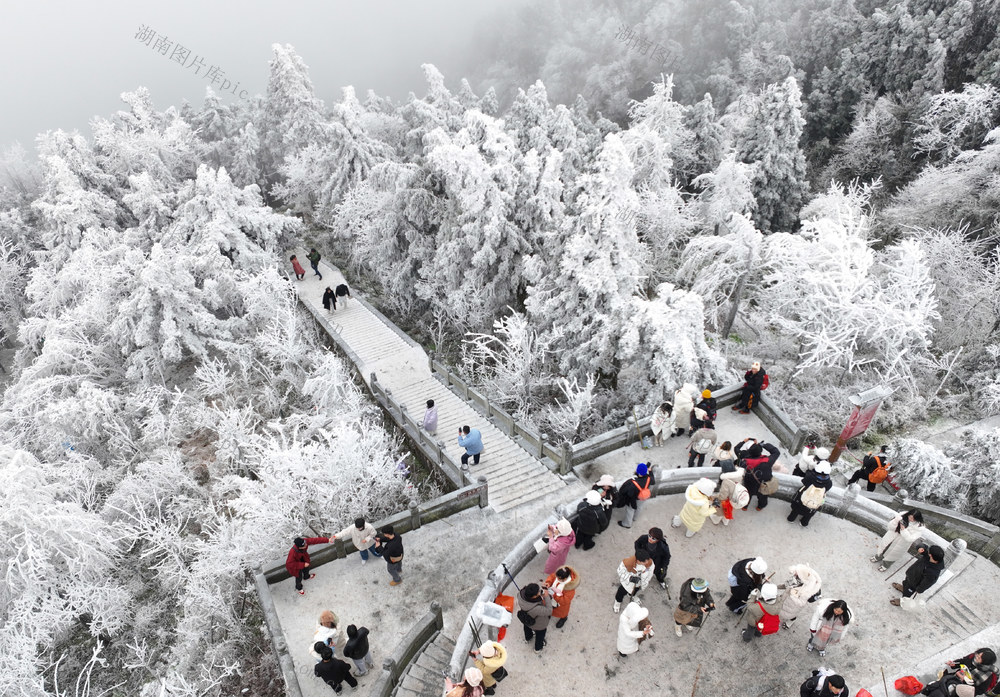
(561, 539)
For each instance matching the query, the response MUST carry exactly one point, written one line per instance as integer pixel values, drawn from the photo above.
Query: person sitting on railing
(591, 520)
(755, 382)
(660, 422)
(704, 412)
(605, 486)
(472, 440)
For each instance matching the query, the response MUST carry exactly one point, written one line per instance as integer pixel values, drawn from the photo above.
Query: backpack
(644, 492)
(880, 472)
(813, 497)
(704, 445)
(525, 617)
(768, 624)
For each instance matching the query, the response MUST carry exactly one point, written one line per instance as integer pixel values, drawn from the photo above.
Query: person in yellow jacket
(697, 507)
(489, 658)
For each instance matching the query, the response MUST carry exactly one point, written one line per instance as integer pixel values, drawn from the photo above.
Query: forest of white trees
(815, 186)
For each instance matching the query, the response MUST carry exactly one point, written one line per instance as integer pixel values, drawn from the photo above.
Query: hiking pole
(695, 686)
(885, 685)
(511, 577)
(704, 619)
(475, 633)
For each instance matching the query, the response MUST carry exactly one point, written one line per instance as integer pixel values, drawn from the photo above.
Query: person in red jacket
(297, 563)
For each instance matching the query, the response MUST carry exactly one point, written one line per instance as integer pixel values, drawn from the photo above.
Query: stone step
(539, 491)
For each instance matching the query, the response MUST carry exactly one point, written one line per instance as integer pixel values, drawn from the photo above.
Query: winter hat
(593, 498)
(564, 527)
(823, 467)
(299, 542)
(758, 566)
(822, 453)
(473, 676)
(769, 591)
(642, 470)
(755, 450)
(706, 393)
(699, 585)
(606, 480)
(488, 650)
(705, 486)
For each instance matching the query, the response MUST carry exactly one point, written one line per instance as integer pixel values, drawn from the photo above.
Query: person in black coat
(334, 671)
(343, 292)
(709, 406)
(357, 649)
(868, 465)
(591, 520)
(659, 552)
(749, 575)
(922, 574)
(832, 686)
(757, 467)
(329, 300)
(818, 477)
(628, 495)
(390, 544)
(755, 380)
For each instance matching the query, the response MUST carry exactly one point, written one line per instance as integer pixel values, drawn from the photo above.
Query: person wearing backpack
(746, 576)
(534, 612)
(633, 492)
(811, 495)
(824, 684)
(701, 444)
(698, 500)
(590, 520)
(757, 468)
(901, 532)
(874, 469)
(732, 495)
(763, 616)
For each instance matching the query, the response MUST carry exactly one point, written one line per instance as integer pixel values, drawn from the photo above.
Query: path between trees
(514, 475)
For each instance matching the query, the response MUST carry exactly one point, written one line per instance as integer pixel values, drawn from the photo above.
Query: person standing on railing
(430, 422)
(362, 534)
(472, 440)
(391, 546)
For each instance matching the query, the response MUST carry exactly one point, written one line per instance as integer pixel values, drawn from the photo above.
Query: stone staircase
(515, 476)
(425, 675)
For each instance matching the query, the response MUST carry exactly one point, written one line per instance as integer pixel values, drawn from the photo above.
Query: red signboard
(859, 421)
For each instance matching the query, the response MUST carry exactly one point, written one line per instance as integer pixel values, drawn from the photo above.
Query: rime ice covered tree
(584, 305)
(770, 138)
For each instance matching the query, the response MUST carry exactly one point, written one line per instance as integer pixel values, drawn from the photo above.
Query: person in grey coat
(534, 612)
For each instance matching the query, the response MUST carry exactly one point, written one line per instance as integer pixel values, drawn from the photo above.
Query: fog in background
(67, 61)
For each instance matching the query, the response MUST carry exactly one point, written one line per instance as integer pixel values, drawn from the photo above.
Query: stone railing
(867, 512)
(393, 667)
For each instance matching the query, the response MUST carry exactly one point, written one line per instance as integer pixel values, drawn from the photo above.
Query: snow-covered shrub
(928, 474)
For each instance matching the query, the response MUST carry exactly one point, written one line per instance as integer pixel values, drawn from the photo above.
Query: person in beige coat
(362, 534)
(768, 603)
(803, 584)
(489, 658)
(731, 490)
(901, 532)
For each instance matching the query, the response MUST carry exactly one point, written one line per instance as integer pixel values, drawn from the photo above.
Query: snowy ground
(448, 561)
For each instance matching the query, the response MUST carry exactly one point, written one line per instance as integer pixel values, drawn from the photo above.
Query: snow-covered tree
(584, 306)
(956, 121)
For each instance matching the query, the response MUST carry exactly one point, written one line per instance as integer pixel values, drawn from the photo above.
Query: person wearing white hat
(605, 486)
(471, 685)
(561, 538)
(746, 576)
(591, 520)
(755, 381)
(489, 658)
(811, 495)
(629, 632)
(697, 506)
(763, 616)
(732, 495)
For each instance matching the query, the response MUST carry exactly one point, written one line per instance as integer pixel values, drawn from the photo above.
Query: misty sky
(69, 61)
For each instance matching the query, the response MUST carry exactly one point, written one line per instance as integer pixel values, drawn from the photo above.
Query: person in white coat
(829, 624)
(683, 406)
(803, 584)
(629, 632)
(901, 532)
(698, 501)
(634, 574)
(660, 422)
(327, 633)
(362, 534)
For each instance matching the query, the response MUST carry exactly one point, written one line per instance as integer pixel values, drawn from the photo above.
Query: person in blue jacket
(472, 440)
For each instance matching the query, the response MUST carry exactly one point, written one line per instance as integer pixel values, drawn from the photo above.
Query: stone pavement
(401, 366)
